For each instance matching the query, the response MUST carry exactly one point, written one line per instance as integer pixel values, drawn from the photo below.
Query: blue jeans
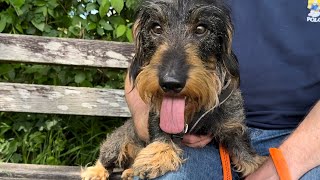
(204, 163)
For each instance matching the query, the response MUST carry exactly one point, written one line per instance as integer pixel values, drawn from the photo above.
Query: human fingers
(196, 141)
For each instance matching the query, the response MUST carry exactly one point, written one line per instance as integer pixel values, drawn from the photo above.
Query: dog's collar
(227, 91)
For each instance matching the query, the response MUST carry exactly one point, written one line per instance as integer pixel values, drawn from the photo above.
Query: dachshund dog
(185, 70)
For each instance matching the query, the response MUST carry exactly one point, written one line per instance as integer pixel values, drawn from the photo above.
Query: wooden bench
(16, 97)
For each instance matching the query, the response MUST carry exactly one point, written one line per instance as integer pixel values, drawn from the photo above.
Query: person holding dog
(279, 62)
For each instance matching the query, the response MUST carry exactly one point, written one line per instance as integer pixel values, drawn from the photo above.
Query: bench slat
(63, 51)
(13, 171)
(31, 171)
(15, 97)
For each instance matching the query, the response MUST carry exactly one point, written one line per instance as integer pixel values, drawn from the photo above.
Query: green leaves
(91, 26)
(131, 3)
(3, 22)
(38, 25)
(52, 139)
(117, 5)
(38, 22)
(121, 29)
(104, 8)
(88, 19)
(91, 6)
(39, 2)
(80, 77)
(105, 25)
(17, 4)
(129, 35)
(43, 10)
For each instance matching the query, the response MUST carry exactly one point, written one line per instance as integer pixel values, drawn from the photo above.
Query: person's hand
(266, 172)
(196, 141)
(139, 110)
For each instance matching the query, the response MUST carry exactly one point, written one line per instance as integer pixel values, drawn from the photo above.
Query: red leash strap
(280, 164)
(225, 161)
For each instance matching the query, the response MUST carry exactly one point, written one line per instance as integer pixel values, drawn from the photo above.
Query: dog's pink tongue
(172, 114)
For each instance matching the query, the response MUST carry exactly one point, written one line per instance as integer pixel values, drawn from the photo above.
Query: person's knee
(200, 163)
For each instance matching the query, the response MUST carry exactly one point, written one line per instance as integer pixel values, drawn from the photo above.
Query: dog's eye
(156, 29)
(201, 30)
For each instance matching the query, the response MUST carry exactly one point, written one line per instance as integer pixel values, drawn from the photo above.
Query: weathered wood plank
(16, 97)
(77, 52)
(30, 171)
(13, 171)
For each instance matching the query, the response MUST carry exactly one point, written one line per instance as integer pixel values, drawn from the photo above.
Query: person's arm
(301, 149)
(139, 110)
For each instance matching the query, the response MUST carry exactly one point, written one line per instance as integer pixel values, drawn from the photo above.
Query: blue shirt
(277, 43)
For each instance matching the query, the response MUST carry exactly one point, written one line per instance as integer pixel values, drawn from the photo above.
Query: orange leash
(280, 164)
(225, 161)
(276, 155)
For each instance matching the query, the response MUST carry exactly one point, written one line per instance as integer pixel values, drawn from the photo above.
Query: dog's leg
(160, 156)
(234, 136)
(119, 149)
(236, 140)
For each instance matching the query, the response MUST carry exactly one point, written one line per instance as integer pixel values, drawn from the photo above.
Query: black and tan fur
(189, 43)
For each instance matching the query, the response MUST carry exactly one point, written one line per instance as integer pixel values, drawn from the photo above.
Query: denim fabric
(204, 163)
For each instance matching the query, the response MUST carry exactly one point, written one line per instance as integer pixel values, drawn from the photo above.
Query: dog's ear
(229, 59)
(137, 60)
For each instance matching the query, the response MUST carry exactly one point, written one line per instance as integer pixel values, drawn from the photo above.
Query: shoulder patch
(314, 14)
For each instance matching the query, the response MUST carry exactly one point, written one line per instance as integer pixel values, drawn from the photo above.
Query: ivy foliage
(88, 19)
(61, 139)
(52, 139)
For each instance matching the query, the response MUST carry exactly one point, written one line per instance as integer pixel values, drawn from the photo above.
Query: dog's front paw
(97, 172)
(156, 159)
(127, 174)
(248, 167)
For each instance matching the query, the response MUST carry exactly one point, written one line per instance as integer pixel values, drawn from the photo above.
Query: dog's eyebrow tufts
(155, 11)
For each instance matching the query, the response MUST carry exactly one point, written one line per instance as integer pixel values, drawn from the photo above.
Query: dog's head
(183, 51)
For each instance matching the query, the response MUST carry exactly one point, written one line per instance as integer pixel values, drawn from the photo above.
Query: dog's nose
(171, 84)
